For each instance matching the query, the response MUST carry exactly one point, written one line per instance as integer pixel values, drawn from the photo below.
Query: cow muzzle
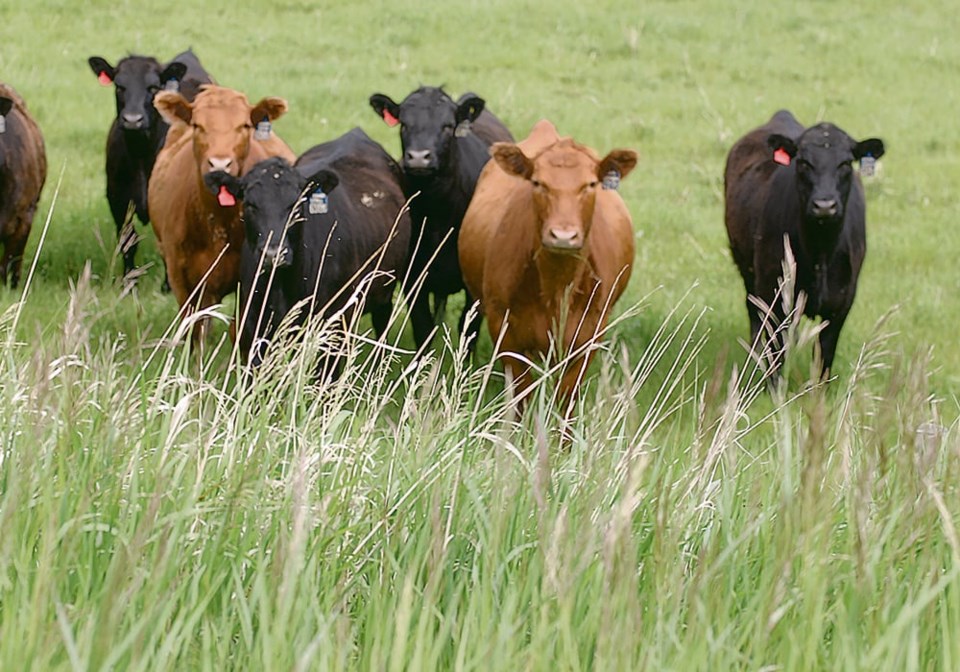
(419, 161)
(133, 122)
(276, 256)
(559, 239)
(826, 208)
(225, 163)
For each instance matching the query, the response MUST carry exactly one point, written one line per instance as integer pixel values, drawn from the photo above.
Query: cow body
(138, 132)
(782, 180)
(23, 170)
(445, 145)
(200, 235)
(547, 250)
(292, 253)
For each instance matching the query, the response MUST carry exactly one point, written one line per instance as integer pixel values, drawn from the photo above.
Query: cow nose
(278, 256)
(419, 158)
(132, 119)
(220, 163)
(825, 207)
(563, 239)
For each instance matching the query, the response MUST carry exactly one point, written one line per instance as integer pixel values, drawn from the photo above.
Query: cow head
(273, 193)
(428, 119)
(222, 121)
(823, 155)
(136, 81)
(565, 178)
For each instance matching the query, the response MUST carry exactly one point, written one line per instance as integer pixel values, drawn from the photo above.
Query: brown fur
(23, 171)
(507, 266)
(191, 227)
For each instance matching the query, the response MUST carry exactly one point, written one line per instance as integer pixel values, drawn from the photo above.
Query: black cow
(445, 145)
(782, 179)
(23, 170)
(138, 132)
(320, 227)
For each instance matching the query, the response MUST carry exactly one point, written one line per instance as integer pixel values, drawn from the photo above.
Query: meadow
(158, 513)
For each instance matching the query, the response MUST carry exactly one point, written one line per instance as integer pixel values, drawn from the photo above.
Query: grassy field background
(159, 516)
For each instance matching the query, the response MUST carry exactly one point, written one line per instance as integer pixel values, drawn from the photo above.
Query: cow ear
(872, 147)
(5, 105)
(469, 107)
(173, 107)
(512, 159)
(620, 161)
(220, 179)
(268, 108)
(385, 108)
(783, 148)
(174, 71)
(324, 179)
(102, 69)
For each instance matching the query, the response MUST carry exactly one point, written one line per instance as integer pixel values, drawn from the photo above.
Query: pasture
(160, 514)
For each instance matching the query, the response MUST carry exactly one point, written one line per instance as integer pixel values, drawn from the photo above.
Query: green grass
(156, 513)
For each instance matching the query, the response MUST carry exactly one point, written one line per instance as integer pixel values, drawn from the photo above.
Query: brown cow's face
(222, 121)
(565, 179)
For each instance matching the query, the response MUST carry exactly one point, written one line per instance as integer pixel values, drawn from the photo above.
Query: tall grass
(169, 518)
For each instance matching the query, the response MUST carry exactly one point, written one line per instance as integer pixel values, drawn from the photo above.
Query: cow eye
(592, 185)
(153, 88)
(537, 184)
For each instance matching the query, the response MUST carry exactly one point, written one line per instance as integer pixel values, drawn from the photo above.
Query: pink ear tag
(104, 78)
(389, 118)
(225, 198)
(780, 156)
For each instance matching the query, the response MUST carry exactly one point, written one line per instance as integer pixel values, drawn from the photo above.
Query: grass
(160, 514)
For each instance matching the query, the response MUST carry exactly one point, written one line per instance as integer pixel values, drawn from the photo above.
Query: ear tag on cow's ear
(780, 156)
(389, 118)
(611, 181)
(263, 130)
(319, 203)
(3, 124)
(104, 78)
(463, 129)
(172, 85)
(868, 166)
(225, 198)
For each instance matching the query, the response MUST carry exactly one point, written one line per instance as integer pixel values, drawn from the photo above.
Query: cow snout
(825, 207)
(563, 239)
(132, 121)
(277, 256)
(223, 164)
(419, 159)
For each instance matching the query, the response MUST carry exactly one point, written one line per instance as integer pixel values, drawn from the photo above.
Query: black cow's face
(136, 80)
(428, 120)
(273, 195)
(824, 156)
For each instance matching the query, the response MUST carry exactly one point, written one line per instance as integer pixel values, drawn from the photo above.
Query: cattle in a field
(548, 242)
(138, 132)
(201, 234)
(784, 180)
(316, 231)
(444, 146)
(23, 170)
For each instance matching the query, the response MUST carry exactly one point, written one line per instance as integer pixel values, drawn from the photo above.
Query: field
(159, 513)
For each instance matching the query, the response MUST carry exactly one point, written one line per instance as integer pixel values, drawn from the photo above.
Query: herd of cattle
(539, 235)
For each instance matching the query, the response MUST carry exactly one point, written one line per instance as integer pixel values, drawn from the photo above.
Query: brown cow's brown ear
(269, 108)
(512, 159)
(173, 107)
(621, 161)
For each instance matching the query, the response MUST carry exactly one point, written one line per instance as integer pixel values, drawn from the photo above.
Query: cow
(23, 170)
(314, 231)
(444, 145)
(138, 132)
(784, 181)
(547, 246)
(200, 234)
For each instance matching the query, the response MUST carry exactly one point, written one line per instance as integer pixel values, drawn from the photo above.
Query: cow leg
(13, 248)
(380, 316)
(829, 337)
(120, 198)
(422, 319)
(518, 378)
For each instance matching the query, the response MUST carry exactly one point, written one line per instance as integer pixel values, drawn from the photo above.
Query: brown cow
(23, 170)
(200, 234)
(545, 239)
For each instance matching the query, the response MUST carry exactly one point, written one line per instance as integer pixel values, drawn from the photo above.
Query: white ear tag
(3, 124)
(318, 204)
(463, 129)
(611, 181)
(172, 85)
(263, 130)
(868, 166)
